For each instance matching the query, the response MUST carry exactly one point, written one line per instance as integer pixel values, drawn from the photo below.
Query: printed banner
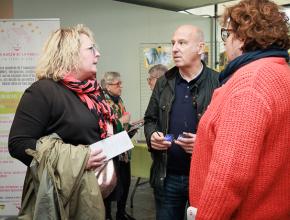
(21, 43)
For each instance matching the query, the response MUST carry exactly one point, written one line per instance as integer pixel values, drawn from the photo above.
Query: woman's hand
(96, 159)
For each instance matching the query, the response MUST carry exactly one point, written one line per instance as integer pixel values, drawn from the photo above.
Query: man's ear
(200, 49)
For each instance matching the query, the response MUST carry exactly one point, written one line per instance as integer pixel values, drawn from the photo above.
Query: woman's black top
(49, 107)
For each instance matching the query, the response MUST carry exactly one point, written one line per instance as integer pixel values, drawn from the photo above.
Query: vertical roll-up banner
(21, 42)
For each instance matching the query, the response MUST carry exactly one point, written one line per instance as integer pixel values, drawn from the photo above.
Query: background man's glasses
(225, 33)
(151, 78)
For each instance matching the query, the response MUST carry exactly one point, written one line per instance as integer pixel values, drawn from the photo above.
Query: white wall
(119, 29)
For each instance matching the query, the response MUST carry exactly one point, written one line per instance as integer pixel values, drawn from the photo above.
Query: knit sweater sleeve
(240, 132)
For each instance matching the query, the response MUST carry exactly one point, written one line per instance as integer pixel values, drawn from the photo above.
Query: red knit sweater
(240, 166)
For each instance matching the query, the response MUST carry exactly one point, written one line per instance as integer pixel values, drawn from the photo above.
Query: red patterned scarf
(90, 93)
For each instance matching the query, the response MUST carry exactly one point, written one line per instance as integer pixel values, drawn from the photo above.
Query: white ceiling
(180, 5)
(210, 11)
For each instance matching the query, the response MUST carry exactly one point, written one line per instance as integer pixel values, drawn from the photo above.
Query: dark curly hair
(259, 23)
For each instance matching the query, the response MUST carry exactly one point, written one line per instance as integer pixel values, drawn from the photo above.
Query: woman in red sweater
(240, 166)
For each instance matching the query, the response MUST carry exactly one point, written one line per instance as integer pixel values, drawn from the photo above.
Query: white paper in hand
(114, 145)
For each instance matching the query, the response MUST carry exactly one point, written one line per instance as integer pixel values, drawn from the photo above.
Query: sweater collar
(249, 57)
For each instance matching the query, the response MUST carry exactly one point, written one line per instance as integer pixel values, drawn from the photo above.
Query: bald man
(178, 101)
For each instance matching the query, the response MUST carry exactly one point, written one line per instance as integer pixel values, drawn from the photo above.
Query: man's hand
(186, 141)
(158, 142)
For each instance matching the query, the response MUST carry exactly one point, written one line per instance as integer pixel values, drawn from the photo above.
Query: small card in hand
(169, 137)
(136, 125)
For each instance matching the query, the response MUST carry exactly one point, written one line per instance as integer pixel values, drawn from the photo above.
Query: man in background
(154, 73)
(177, 102)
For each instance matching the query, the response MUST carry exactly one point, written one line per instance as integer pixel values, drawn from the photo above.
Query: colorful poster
(157, 55)
(21, 43)
(206, 55)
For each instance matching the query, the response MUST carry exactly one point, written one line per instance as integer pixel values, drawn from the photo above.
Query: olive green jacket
(57, 186)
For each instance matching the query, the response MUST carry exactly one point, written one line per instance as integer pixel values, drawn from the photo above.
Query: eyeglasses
(116, 84)
(225, 33)
(93, 49)
(151, 78)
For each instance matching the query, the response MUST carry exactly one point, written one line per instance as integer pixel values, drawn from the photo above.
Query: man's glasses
(225, 33)
(151, 78)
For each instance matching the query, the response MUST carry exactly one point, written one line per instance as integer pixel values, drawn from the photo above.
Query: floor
(143, 202)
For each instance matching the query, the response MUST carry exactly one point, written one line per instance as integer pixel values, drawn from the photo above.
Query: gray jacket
(57, 186)
(157, 115)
